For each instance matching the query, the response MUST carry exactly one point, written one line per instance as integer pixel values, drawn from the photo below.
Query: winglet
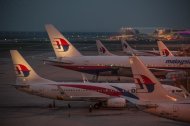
(85, 79)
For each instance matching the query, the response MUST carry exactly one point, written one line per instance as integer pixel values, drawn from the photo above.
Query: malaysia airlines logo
(102, 50)
(22, 70)
(144, 81)
(61, 44)
(165, 52)
(177, 61)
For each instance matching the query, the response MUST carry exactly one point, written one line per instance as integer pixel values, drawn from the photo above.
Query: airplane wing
(162, 73)
(160, 69)
(186, 93)
(20, 86)
(55, 61)
(82, 98)
(89, 98)
(141, 104)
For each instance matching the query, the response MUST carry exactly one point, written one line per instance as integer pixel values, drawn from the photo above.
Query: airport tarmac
(18, 108)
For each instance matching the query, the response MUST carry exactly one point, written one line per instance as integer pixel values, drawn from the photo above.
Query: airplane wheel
(69, 106)
(53, 103)
(50, 105)
(97, 105)
(90, 108)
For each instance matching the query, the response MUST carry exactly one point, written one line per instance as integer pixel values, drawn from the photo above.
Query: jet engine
(116, 102)
(176, 75)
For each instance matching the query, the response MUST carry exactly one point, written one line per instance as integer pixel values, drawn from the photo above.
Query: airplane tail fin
(61, 46)
(126, 47)
(102, 50)
(164, 51)
(24, 72)
(148, 86)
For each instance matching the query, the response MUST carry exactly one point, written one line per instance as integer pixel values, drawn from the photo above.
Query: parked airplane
(129, 50)
(153, 98)
(67, 56)
(102, 50)
(163, 50)
(109, 94)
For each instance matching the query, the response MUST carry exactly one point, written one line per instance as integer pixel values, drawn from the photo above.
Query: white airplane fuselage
(110, 95)
(110, 65)
(145, 53)
(176, 111)
(73, 91)
(77, 91)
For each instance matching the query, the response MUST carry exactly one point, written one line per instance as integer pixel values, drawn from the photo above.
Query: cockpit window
(178, 90)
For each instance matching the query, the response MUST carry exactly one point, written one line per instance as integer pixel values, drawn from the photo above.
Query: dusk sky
(93, 15)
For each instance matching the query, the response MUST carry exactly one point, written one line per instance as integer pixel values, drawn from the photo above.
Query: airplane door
(62, 93)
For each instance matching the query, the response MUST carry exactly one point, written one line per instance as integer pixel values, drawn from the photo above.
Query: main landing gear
(95, 77)
(118, 78)
(90, 108)
(52, 105)
(95, 106)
